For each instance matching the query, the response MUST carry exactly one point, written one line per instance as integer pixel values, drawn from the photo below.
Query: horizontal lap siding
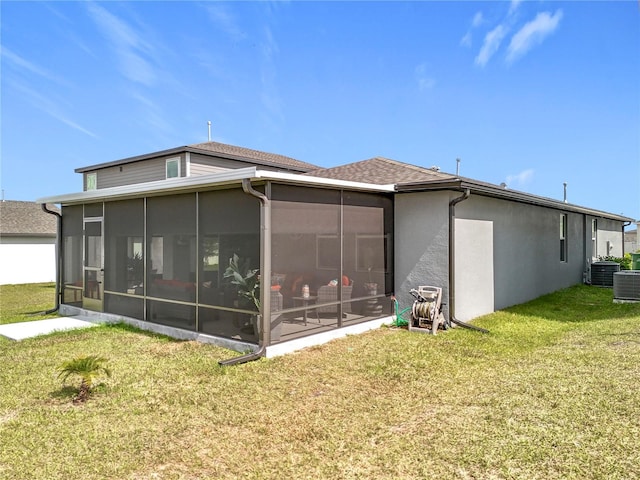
(136, 172)
(155, 169)
(206, 165)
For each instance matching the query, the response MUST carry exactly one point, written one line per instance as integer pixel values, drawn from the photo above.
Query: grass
(23, 303)
(551, 393)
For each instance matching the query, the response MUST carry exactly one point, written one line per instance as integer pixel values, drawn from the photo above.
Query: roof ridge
(413, 166)
(249, 153)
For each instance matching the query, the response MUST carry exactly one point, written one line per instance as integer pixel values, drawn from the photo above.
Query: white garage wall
(26, 260)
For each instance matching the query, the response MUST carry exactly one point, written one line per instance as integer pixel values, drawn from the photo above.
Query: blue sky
(528, 93)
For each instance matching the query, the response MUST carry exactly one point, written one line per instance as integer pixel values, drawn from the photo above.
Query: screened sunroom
(249, 257)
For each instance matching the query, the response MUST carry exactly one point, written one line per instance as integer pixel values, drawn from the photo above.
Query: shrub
(625, 262)
(88, 369)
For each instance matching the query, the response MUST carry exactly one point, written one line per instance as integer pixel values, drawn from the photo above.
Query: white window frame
(563, 238)
(169, 161)
(594, 237)
(91, 181)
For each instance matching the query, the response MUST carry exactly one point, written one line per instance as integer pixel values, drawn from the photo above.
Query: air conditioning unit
(602, 273)
(626, 286)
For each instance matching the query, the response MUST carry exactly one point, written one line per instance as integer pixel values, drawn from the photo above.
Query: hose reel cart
(426, 312)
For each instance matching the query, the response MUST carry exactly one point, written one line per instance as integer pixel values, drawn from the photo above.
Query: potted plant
(135, 271)
(371, 287)
(247, 282)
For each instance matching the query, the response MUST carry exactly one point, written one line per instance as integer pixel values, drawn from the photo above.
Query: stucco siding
(507, 252)
(421, 243)
(526, 249)
(27, 260)
(609, 237)
(474, 263)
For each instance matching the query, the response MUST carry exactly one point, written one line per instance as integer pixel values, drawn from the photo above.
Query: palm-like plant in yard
(88, 368)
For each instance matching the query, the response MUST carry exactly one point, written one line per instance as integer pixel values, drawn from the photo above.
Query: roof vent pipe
(209, 129)
(565, 192)
(457, 167)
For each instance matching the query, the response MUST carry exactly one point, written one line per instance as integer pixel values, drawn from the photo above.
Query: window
(594, 237)
(563, 237)
(173, 167)
(92, 181)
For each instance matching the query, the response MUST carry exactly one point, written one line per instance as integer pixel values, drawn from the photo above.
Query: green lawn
(19, 303)
(551, 393)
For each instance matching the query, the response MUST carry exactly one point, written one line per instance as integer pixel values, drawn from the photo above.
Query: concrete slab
(22, 330)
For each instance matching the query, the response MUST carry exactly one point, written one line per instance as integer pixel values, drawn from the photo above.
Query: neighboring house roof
(381, 171)
(216, 149)
(26, 219)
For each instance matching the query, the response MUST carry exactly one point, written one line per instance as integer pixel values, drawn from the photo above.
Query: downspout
(58, 258)
(452, 263)
(264, 338)
(624, 225)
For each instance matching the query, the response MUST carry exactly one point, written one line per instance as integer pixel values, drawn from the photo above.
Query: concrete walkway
(22, 330)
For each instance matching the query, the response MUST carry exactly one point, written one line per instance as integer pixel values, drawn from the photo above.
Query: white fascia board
(176, 185)
(159, 186)
(322, 181)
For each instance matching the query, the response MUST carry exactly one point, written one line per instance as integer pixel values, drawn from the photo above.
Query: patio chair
(329, 293)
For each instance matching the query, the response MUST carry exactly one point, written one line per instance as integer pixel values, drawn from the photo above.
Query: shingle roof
(248, 154)
(380, 171)
(253, 157)
(26, 219)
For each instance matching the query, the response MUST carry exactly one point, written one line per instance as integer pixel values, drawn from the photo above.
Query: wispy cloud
(466, 40)
(533, 33)
(269, 96)
(514, 6)
(45, 104)
(425, 81)
(153, 116)
(129, 47)
(520, 179)
(478, 19)
(225, 21)
(22, 64)
(492, 41)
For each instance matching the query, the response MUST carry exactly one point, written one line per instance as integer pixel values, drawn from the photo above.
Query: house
(631, 240)
(182, 240)
(27, 243)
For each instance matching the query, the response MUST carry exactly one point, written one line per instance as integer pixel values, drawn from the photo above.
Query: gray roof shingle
(26, 219)
(380, 171)
(249, 154)
(223, 150)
